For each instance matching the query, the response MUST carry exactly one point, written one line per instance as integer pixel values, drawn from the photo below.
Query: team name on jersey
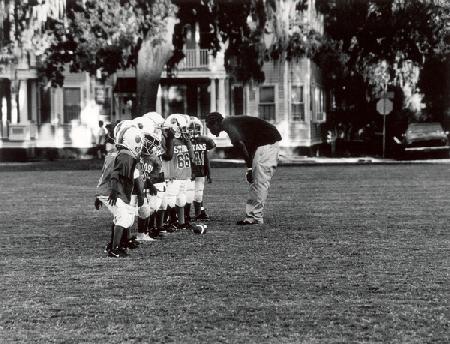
(180, 149)
(199, 146)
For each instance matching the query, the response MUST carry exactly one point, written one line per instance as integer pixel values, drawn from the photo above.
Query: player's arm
(138, 187)
(210, 144)
(168, 152)
(207, 167)
(156, 171)
(156, 166)
(190, 148)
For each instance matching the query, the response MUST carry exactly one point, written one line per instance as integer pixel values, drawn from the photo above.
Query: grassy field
(348, 254)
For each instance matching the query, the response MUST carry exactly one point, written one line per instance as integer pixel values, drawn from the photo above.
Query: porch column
(221, 98)
(212, 94)
(158, 101)
(34, 100)
(23, 101)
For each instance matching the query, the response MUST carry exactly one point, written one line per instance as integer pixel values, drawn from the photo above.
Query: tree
(24, 30)
(148, 35)
(105, 36)
(388, 42)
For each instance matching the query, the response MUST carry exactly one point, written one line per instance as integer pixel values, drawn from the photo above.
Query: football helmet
(155, 117)
(152, 135)
(178, 123)
(195, 126)
(132, 139)
(120, 128)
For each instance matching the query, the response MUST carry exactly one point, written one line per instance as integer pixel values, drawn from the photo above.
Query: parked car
(425, 137)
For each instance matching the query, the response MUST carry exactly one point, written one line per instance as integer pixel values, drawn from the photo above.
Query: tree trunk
(152, 59)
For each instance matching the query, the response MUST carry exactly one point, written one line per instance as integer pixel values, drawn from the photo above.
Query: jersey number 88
(183, 160)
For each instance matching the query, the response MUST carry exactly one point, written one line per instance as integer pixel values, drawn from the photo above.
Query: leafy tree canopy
(107, 34)
(388, 40)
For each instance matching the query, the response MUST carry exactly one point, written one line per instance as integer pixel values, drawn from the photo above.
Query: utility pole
(384, 122)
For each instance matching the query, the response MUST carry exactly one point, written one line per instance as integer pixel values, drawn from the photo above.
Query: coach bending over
(258, 142)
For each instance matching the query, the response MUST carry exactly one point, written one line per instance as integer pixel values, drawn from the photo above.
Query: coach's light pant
(263, 167)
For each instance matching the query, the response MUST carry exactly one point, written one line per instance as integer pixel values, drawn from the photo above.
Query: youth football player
(149, 164)
(177, 168)
(200, 168)
(116, 185)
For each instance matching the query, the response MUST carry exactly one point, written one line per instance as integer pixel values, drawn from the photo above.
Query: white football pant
(176, 193)
(123, 213)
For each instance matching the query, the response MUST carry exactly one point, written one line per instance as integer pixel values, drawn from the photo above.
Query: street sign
(385, 94)
(384, 106)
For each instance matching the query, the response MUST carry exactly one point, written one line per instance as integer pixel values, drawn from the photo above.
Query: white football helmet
(178, 123)
(152, 135)
(195, 126)
(132, 139)
(155, 117)
(120, 128)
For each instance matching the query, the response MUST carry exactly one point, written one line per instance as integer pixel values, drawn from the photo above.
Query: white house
(292, 97)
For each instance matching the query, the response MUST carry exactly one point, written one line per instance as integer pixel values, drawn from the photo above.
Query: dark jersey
(253, 131)
(150, 168)
(123, 173)
(201, 145)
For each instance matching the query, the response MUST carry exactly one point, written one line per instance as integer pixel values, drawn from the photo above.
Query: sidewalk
(315, 161)
(94, 164)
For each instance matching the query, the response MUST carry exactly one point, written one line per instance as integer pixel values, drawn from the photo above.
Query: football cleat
(143, 237)
(132, 244)
(155, 233)
(107, 248)
(247, 222)
(170, 227)
(123, 251)
(114, 253)
(184, 226)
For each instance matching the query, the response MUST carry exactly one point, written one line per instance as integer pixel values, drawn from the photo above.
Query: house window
(174, 99)
(238, 100)
(317, 104)
(72, 104)
(45, 105)
(297, 104)
(266, 107)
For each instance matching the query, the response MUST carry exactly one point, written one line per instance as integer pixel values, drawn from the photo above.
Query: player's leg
(181, 203)
(160, 213)
(190, 193)
(116, 231)
(173, 188)
(143, 214)
(123, 219)
(156, 204)
(109, 244)
(200, 213)
(197, 209)
(151, 223)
